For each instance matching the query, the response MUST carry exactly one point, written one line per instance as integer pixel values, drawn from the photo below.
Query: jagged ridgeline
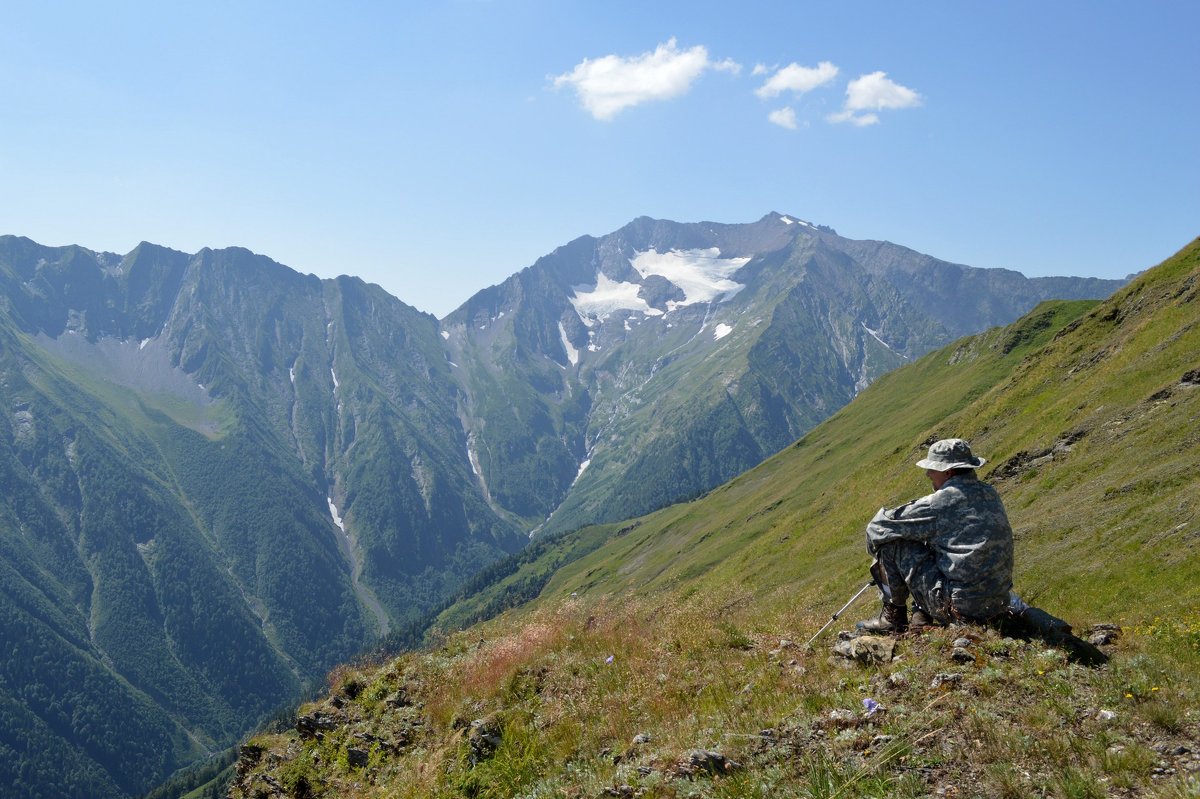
(659, 659)
(221, 477)
(622, 373)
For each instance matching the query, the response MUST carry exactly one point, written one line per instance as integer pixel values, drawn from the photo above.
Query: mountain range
(681, 653)
(222, 477)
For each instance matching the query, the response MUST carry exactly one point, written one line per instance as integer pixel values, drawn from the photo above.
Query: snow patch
(721, 331)
(292, 374)
(333, 512)
(875, 335)
(142, 346)
(702, 274)
(787, 220)
(472, 458)
(452, 363)
(445, 335)
(608, 297)
(582, 468)
(572, 353)
(335, 380)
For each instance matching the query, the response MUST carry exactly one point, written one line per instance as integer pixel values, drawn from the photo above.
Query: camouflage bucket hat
(950, 453)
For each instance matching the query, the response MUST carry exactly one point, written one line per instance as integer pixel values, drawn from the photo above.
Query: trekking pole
(834, 617)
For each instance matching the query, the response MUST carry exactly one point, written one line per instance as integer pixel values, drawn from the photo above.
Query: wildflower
(870, 705)
(609, 659)
(1129, 696)
(1155, 688)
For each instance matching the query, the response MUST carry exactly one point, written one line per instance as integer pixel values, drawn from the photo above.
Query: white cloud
(784, 118)
(798, 79)
(760, 69)
(861, 120)
(605, 86)
(874, 92)
(728, 65)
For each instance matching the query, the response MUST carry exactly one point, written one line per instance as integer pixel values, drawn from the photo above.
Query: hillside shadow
(1037, 624)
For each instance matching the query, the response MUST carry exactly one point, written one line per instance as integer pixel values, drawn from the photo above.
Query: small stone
(842, 717)
(709, 761)
(484, 737)
(945, 678)
(961, 655)
(313, 724)
(1106, 715)
(641, 738)
(356, 757)
(398, 699)
(880, 741)
(867, 649)
(962, 642)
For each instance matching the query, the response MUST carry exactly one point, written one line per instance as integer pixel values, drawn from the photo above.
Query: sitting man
(952, 550)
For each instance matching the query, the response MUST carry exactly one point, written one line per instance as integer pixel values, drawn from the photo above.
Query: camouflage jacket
(965, 526)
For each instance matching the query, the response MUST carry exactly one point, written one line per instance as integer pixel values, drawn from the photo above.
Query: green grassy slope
(649, 663)
(1091, 432)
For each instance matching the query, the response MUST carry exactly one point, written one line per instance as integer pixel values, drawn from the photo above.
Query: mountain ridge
(595, 295)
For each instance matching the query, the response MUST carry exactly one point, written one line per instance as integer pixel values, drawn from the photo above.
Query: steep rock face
(625, 372)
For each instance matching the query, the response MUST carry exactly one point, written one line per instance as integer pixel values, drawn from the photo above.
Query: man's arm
(913, 521)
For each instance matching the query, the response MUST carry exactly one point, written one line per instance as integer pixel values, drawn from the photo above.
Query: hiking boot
(920, 618)
(892, 619)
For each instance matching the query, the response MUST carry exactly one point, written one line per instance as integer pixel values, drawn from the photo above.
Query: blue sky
(435, 148)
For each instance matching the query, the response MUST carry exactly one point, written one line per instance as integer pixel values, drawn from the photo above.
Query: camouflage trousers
(909, 569)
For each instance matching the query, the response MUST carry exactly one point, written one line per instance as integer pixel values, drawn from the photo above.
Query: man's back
(973, 545)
